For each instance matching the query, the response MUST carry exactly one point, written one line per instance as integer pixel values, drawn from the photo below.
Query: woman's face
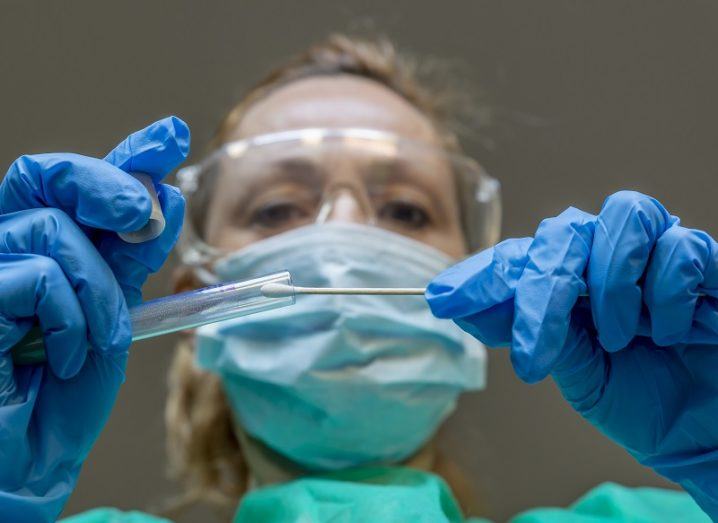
(412, 192)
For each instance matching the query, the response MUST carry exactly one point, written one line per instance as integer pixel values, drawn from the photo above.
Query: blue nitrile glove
(640, 359)
(61, 264)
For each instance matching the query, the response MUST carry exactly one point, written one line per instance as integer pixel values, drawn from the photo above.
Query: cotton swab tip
(276, 290)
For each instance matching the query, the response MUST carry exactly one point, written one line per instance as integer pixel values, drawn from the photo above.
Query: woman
(289, 190)
(338, 168)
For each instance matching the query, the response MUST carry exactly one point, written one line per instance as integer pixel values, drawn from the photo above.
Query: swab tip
(276, 290)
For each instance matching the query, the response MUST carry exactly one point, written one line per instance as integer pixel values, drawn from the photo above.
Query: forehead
(337, 101)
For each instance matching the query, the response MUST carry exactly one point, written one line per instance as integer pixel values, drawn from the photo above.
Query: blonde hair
(204, 452)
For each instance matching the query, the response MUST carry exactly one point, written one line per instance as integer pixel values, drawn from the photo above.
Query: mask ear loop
(331, 195)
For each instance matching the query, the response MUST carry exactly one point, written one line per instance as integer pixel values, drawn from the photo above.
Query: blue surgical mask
(339, 381)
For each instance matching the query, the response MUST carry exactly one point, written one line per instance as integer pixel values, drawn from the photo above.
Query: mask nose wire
(336, 193)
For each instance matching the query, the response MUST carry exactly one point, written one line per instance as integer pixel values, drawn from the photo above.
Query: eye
(406, 214)
(278, 214)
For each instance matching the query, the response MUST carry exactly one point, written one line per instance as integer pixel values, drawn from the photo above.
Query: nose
(345, 205)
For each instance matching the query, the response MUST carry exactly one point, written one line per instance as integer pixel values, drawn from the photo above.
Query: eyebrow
(298, 170)
(301, 171)
(401, 172)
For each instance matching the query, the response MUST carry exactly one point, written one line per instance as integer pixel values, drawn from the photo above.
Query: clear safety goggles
(265, 185)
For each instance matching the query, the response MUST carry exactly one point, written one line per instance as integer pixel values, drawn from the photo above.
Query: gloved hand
(62, 262)
(640, 359)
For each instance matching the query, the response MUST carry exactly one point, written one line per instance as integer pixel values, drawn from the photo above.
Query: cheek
(451, 241)
(449, 235)
(220, 231)
(232, 239)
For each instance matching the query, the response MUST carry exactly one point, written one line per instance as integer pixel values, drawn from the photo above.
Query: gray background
(600, 96)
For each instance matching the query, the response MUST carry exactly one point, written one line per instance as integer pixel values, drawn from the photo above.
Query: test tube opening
(208, 305)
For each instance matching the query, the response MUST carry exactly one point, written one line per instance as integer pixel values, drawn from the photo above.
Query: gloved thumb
(155, 150)
(478, 293)
(581, 371)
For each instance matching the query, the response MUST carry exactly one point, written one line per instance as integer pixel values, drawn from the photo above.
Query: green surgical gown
(407, 495)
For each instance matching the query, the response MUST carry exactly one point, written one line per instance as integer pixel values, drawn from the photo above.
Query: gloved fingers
(581, 371)
(547, 292)
(627, 228)
(11, 331)
(477, 293)
(155, 150)
(479, 282)
(90, 191)
(97, 193)
(8, 387)
(36, 286)
(132, 262)
(51, 233)
(12, 328)
(684, 261)
(492, 327)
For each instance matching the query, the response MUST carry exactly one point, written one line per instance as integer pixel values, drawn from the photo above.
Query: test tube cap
(156, 224)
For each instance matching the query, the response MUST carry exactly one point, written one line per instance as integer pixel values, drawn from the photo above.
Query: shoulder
(610, 502)
(112, 515)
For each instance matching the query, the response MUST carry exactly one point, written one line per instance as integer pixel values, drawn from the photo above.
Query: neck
(267, 467)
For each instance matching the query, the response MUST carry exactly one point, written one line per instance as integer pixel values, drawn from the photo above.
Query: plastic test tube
(184, 311)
